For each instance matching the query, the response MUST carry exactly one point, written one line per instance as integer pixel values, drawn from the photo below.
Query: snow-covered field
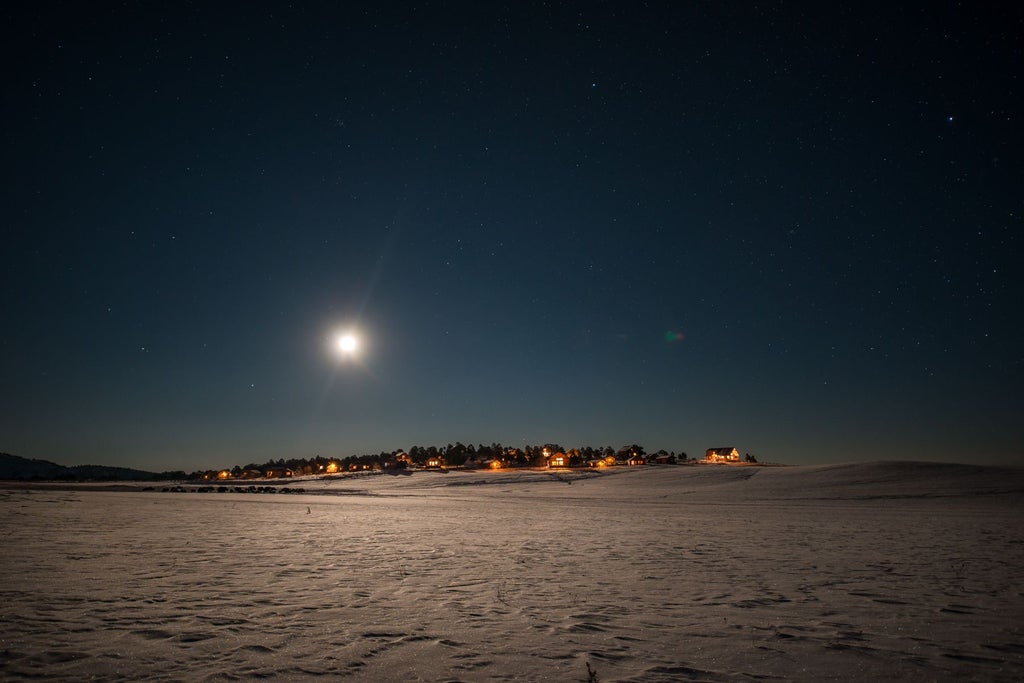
(858, 572)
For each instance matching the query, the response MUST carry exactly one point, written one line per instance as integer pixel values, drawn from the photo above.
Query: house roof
(722, 451)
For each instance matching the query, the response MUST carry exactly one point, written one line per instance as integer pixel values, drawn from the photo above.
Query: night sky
(795, 230)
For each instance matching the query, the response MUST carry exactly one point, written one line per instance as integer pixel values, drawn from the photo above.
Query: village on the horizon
(462, 457)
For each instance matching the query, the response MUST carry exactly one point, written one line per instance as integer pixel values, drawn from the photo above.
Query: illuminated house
(434, 463)
(278, 472)
(727, 454)
(558, 460)
(628, 454)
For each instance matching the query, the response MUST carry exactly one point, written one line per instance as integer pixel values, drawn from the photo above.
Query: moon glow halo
(347, 344)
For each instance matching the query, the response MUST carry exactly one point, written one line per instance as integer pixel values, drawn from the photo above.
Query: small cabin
(279, 472)
(726, 454)
(636, 460)
(558, 460)
(434, 463)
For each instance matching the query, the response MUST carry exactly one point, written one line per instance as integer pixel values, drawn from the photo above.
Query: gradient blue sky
(796, 230)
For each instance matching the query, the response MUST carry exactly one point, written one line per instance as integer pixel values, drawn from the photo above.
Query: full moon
(347, 343)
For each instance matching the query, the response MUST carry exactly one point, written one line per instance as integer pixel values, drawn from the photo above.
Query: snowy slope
(863, 572)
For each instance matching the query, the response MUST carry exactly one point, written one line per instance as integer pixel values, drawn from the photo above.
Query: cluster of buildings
(627, 456)
(726, 454)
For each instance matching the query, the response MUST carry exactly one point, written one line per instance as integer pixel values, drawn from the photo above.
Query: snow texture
(877, 571)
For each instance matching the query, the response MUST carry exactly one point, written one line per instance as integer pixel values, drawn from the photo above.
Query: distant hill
(24, 469)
